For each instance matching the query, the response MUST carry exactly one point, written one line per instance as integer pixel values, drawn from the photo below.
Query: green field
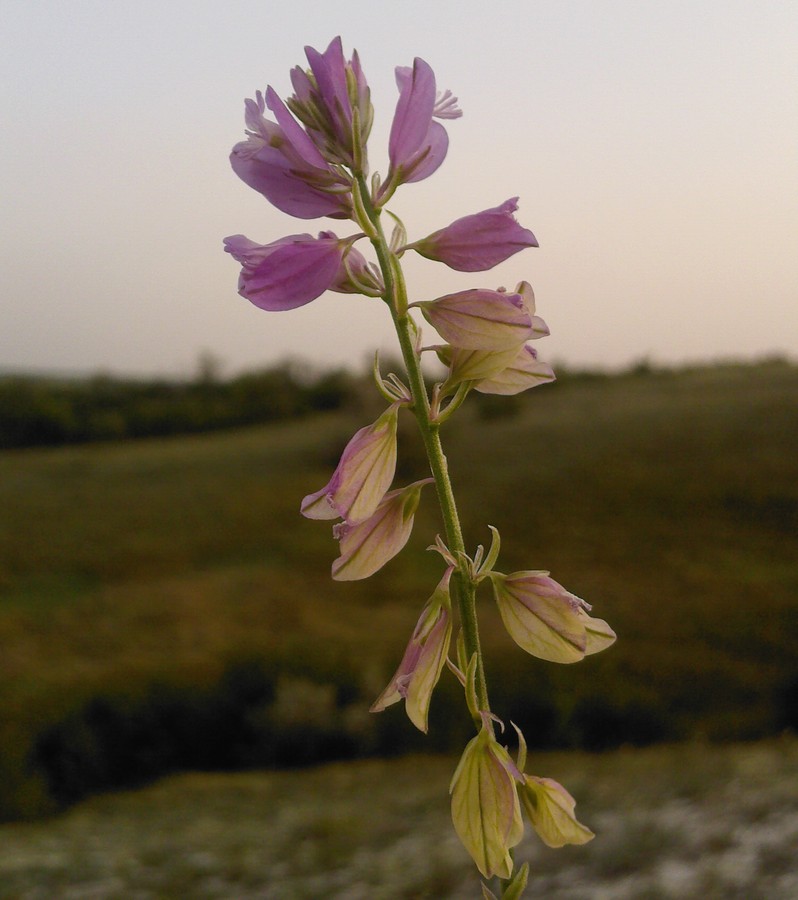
(163, 605)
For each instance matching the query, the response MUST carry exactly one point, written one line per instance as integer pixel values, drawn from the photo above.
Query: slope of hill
(163, 605)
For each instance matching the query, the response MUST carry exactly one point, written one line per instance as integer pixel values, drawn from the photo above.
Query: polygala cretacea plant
(307, 155)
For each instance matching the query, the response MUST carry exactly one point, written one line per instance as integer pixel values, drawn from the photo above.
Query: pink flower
(281, 162)
(366, 546)
(479, 319)
(477, 242)
(423, 661)
(289, 272)
(328, 98)
(363, 475)
(417, 145)
(541, 616)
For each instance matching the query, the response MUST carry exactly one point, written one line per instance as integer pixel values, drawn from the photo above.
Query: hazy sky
(654, 147)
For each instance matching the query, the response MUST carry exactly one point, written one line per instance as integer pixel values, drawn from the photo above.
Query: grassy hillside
(163, 605)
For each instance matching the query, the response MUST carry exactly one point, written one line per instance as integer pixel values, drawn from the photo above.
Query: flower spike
(307, 155)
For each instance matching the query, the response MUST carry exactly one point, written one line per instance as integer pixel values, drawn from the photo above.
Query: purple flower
(477, 242)
(366, 546)
(282, 163)
(363, 475)
(328, 98)
(417, 145)
(539, 327)
(423, 661)
(479, 319)
(289, 272)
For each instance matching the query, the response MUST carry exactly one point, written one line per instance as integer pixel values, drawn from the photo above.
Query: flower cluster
(310, 160)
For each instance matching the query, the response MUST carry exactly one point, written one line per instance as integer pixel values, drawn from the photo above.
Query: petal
(357, 276)
(599, 635)
(524, 372)
(366, 546)
(429, 157)
(423, 660)
(428, 670)
(329, 70)
(294, 132)
(446, 106)
(550, 809)
(473, 365)
(363, 475)
(301, 84)
(524, 288)
(288, 273)
(266, 170)
(411, 121)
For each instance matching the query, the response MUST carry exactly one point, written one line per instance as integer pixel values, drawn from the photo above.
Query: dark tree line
(38, 411)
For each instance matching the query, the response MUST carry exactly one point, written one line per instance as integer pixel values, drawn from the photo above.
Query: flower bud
(333, 102)
(357, 276)
(485, 807)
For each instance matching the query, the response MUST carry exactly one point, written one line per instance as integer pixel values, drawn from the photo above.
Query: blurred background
(163, 607)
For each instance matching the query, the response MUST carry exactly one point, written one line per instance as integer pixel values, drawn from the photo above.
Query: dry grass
(690, 821)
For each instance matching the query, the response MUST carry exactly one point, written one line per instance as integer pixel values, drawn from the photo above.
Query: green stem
(463, 588)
